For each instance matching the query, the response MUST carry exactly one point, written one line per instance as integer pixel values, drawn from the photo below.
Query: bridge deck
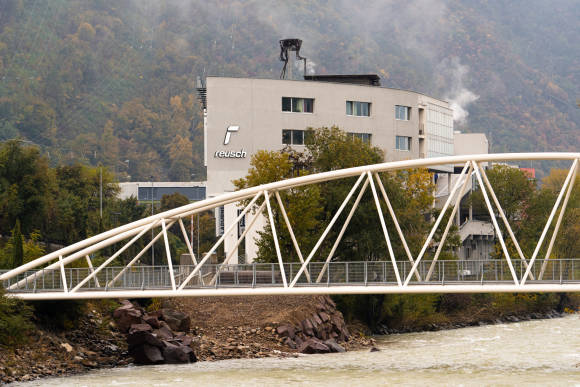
(339, 277)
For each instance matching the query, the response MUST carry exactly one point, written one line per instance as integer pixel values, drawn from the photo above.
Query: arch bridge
(57, 275)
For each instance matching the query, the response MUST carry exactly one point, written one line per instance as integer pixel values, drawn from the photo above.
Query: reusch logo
(231, 129)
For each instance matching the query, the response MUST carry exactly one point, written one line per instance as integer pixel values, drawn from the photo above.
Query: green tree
(17, 246)
(512, 187)
(25, 187)
(15, 320)
(174, 200)
(302, 205)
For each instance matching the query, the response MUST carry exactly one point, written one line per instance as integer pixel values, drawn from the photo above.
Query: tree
(512, 187)
(25, 187)
(169, 202)
(302, 205)
(312, 207)
(17, 246)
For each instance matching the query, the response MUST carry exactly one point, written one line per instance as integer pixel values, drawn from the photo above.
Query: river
(541, 352)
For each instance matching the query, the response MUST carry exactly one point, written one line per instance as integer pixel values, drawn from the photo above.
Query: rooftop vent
(287, 45)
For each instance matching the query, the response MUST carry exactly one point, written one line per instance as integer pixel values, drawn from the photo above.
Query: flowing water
(544, 352)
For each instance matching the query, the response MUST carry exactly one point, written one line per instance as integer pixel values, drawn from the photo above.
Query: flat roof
(342, 83)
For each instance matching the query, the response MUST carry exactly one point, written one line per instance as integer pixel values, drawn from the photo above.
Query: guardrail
(367, 273)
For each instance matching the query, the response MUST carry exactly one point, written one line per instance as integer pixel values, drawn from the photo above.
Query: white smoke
(452, 76)
(299, 67)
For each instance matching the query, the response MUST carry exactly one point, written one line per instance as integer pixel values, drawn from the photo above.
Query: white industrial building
(244, 115)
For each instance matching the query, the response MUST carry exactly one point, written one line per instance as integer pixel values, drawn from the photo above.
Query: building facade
(243, 115)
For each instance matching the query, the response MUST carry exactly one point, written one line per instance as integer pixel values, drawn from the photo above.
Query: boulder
(127, 315)
(324, 316)
(185, 340)
(151, 320)
(374, 349)
(316, 320)
(139, 338)
(177, 354)
(140, 327)
(313, 345)
(146, 354)
(290, 343)
(334, 346)
(286, 331)
(298, 341)
(176, 320)
(307, 327)
(164, 333)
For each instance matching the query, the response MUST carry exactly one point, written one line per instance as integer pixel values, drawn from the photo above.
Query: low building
(146, 191)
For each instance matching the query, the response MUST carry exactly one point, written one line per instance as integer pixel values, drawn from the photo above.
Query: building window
(403, 143)
(356, 108)
(364, 137)
(192, 193)
(293, 136)
(297, 105)
(402, 112)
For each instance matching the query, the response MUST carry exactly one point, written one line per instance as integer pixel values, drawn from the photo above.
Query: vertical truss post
(275, 236)
(112, 257)
(189, 248)
(558, 222)
(62, 274)
(436, 225)
(222, 238)
(549, 222)
(494, 221)
(384, 227)
(92, 269)
(503, 217)
(292, 236)
(392, 212)
(449, 223)
(341, 234)
(168, 253)
(327, 230)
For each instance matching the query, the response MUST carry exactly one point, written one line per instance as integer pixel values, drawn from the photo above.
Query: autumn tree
(302, 205)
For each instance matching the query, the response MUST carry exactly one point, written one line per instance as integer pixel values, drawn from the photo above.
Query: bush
(59, 315)
(15, 320)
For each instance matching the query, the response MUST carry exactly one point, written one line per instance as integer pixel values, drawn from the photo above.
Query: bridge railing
(369, 273)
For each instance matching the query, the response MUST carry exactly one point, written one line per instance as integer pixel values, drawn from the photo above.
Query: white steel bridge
(57, 275)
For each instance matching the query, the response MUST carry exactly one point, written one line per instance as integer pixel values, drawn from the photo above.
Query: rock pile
(157, 337)
(318, 333)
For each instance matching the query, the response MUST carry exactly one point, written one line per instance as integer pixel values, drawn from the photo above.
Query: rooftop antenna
(290, 45)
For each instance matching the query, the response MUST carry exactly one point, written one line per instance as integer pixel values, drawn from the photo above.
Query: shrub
(15, 320)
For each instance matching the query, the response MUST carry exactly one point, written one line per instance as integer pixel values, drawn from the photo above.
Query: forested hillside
(113, 82)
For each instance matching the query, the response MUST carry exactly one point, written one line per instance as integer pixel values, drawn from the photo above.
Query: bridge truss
(57, 275)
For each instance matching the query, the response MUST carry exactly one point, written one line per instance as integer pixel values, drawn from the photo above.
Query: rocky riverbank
(184, 330)
(467, 320)
(208, 329)
(92, 343)
(269, 326)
